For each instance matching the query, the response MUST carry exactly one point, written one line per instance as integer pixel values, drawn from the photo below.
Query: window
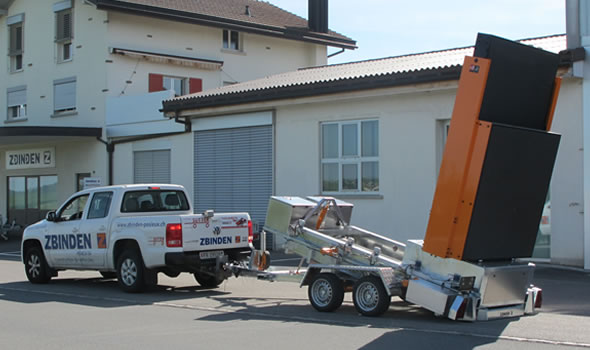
(64, 95)
(17, 102)
(16, 41)
(175, 84)
(154, 200)
(180, 85)
(99, 207)
(74, 209)
(350, 156)
(232, 40)
(63, 30)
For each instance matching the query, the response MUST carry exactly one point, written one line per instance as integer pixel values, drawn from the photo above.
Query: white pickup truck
(132, 232)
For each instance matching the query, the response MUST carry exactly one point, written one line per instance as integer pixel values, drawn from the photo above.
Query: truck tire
(36, 267)
(208, 281)
(370, 297)
(131, 272)
(326, 292)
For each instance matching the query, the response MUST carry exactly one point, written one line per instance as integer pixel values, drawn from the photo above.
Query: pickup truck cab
(133, 232)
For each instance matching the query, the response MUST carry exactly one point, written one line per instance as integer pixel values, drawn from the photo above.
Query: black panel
(520, 82)
(511, 194)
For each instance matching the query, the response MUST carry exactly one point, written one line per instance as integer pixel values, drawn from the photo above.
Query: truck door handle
(75, 230)
(102, 228)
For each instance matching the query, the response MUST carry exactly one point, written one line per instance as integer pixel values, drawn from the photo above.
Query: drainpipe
(110, 150)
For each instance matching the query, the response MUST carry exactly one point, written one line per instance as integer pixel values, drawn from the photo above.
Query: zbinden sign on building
(30, 158)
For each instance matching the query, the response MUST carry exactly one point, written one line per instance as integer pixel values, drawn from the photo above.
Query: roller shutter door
(151, 167)
(233, 171)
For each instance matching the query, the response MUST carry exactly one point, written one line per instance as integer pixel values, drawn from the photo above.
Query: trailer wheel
(326, 292)
(370, 297)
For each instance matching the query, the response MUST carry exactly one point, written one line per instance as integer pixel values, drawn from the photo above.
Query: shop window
(16, 41)
(48, 192)
(350, 156)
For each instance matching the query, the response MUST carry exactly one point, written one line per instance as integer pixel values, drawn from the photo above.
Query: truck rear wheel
(36, 267)
(208, 281)
(370, 297)
(130, 272)
(326, 292)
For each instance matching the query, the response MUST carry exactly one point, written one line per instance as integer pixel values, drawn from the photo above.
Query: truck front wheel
(36, 267)
(130, 272)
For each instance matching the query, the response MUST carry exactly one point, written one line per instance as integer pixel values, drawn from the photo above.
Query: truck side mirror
(51, 216)
(208, 213)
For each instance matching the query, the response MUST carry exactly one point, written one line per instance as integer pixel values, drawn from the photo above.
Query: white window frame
(67, 108)
(342, 160)
(226, 40)
(20, 106)
(63, 42)
(16, 57)
(167, 84)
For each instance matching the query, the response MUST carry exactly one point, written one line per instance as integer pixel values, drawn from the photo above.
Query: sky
(384, 28)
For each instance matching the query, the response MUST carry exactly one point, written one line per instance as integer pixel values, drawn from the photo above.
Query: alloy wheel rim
(34, 265)
(128, 272)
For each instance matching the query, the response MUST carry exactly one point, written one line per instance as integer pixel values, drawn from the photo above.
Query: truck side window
(100, 205)
(74, 209)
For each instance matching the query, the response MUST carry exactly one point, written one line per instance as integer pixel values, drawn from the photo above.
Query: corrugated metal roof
(260, 15)
(435, 60)
(390, 71)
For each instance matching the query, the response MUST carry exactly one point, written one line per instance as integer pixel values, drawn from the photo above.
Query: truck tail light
(173, 235)
(250, 234)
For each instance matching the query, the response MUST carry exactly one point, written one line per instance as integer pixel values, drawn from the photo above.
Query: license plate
(211, 255)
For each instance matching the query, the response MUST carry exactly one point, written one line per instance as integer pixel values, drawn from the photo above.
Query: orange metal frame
(461, 166)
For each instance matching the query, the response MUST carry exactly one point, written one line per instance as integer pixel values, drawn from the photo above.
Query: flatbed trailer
(491, 188)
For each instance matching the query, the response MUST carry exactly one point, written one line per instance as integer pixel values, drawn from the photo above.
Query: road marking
(220, 310)
(11, 254)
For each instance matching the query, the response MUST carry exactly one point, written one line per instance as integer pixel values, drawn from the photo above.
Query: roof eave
(225, 23)
(314, 89)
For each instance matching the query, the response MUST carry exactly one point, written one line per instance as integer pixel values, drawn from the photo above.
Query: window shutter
(195, 85)
(17, 96)
(156, 82)
(64, 95)
(64, 25)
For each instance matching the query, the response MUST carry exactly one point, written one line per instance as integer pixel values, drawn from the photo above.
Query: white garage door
(233, 170)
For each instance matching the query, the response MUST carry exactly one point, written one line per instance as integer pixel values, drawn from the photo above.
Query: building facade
(84, 80)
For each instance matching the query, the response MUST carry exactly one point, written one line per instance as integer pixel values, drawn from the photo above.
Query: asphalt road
(79, 310)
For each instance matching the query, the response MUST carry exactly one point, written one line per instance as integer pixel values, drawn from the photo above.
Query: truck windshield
(153, 200)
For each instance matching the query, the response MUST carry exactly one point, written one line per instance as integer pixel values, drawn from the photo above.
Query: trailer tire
(326, 292)
(370, 297)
